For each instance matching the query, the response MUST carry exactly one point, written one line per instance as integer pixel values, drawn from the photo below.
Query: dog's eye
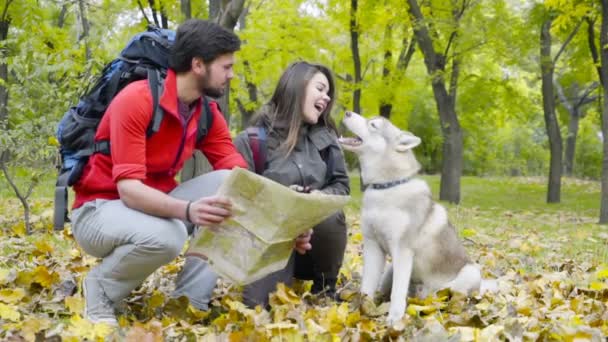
(373, 124)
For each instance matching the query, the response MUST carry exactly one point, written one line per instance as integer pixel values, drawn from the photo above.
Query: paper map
(258, 239)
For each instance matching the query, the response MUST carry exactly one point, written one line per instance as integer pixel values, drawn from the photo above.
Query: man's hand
(303, 242)
(209, 211)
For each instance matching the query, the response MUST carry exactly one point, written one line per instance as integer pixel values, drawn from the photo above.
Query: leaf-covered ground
(550, 263)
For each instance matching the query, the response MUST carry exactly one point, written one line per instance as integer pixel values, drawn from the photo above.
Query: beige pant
(132, 244)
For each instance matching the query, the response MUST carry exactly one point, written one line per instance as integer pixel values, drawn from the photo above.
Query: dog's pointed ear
(407, 141)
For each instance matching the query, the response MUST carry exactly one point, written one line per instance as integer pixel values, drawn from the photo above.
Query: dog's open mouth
(350, 141)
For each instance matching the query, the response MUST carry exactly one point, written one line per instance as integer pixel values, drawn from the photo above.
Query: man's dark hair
(203, 39)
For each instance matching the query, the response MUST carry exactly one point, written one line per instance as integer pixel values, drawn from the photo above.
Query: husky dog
(400, 219)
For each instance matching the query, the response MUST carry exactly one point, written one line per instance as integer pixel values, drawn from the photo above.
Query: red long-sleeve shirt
(157, 159)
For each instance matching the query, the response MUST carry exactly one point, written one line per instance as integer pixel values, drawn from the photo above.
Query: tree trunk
(214, 9)
(354, 46)
(604, 74)
(405, 56)
(4, 25)
(186, 8)
(386, 98)
(227, 18)
(84, 21)
(452, 165)
(571, 144)
(252, 90)
(62, 15)
(551, 124)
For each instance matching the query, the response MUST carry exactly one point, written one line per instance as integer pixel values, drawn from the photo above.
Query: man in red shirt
(129, 210)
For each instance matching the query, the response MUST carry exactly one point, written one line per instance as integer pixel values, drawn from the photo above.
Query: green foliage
(498, 97)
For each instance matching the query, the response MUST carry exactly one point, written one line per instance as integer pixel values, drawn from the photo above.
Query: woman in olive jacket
(302, 152)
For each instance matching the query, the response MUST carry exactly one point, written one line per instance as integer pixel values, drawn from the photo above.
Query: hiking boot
(98, 308)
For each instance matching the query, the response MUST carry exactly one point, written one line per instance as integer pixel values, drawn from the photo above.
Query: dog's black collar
(382, 186)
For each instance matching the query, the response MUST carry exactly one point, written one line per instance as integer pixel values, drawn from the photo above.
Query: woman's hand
(300, 188)
(303, 242)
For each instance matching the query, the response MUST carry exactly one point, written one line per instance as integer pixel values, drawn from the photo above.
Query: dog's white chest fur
(392, 216)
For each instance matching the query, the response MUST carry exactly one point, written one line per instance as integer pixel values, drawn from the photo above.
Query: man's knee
(166, 243)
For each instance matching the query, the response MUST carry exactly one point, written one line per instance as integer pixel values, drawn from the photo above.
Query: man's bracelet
(188, 211)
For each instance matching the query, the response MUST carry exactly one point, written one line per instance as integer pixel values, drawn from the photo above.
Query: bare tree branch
(5, 10)
(405, 56)
(570, 36)
(143, 11)
(592, 47)
(153, 9)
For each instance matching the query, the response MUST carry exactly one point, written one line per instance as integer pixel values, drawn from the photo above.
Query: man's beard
(208, 90)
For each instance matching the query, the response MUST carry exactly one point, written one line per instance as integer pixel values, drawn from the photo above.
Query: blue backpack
(146, 56)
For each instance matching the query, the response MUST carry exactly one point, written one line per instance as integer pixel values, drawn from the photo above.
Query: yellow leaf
(156, 300)
(11, 296)
(42, 247)
(467, 233)
(367, 325)
(597, 286)
(52, 141)
(426, 309)
(353, 319)
(172, 268)
(75, 253)
(284, 295)
(356, 238)
(19, 229)
(287, 331)
(86, 330)
(45, 278)
(9, 312)
(602, 274)
(335, 319)
(34, 325)
(5, 276)
(24, 278)
(74, 304)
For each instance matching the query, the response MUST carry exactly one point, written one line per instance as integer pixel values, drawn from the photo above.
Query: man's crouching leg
(131, 244)
(197, 280)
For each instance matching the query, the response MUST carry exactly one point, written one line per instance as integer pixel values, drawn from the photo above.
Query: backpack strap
(60, 214)
(156, 83)
(257, 142)
(205, 121)
(157, 86)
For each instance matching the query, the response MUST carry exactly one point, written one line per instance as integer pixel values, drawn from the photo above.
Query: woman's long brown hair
(284, 110)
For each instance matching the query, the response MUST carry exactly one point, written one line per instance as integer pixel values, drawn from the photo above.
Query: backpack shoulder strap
(60, 210)
(156, 87)
(205, 121)
(257, 141)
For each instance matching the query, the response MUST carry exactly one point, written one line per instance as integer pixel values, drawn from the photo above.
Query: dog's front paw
(394, 318)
